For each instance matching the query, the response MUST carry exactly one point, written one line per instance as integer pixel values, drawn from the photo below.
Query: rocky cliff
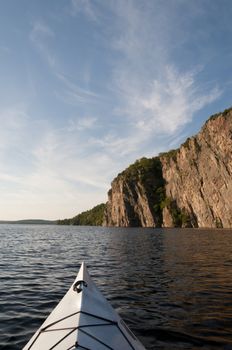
(187, 187)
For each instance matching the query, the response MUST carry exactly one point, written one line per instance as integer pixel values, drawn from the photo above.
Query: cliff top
(224, 114)
(172, 154)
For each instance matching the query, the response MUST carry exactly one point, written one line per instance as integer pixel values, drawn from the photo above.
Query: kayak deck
(83, 319)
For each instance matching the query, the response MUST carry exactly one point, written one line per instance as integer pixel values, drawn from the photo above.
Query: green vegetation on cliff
(29, 222)
(224, 114)
(172, 154)
(138, 194)
(92, 217)
(144, 169)
(180, 217)
(148, 171)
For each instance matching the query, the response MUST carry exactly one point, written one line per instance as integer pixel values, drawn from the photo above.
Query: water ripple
(173, 287)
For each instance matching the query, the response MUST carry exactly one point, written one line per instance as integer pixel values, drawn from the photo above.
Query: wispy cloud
(56, 175)
(39, 28)
(13, 121)
(85, 7)
(82, 124)
(156, 96)
(67, 90)
(125, 89)
(73, 93)
(167, 104)
(39, 36)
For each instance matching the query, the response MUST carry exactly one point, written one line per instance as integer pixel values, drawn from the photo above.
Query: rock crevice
(187, 187)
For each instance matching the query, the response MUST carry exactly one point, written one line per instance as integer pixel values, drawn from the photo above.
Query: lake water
(173, 287)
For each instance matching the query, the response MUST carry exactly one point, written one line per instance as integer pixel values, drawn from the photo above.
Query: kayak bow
(83, 319)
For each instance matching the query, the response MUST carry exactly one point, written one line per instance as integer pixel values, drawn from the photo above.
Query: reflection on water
(173, 287)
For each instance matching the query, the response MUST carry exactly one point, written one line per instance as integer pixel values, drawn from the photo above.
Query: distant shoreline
(29, 222)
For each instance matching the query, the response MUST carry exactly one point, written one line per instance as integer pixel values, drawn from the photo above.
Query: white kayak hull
(83, 319)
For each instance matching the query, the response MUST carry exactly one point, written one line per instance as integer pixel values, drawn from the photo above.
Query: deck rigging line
(80, 328)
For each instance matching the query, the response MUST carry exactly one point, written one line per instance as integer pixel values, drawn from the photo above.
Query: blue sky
(89, 86)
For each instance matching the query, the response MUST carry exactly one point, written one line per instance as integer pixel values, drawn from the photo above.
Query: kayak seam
(98, 340)
(63, 339)
(80, 328)
(54, 344)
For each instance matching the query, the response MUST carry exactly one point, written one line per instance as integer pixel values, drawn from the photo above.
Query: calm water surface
(172, 287)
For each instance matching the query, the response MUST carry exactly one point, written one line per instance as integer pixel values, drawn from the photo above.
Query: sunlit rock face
(134, 194)
(187, 187)
(128, 205)
(199, 178)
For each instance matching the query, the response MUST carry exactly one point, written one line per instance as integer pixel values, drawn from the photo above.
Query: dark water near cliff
(172, 287)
